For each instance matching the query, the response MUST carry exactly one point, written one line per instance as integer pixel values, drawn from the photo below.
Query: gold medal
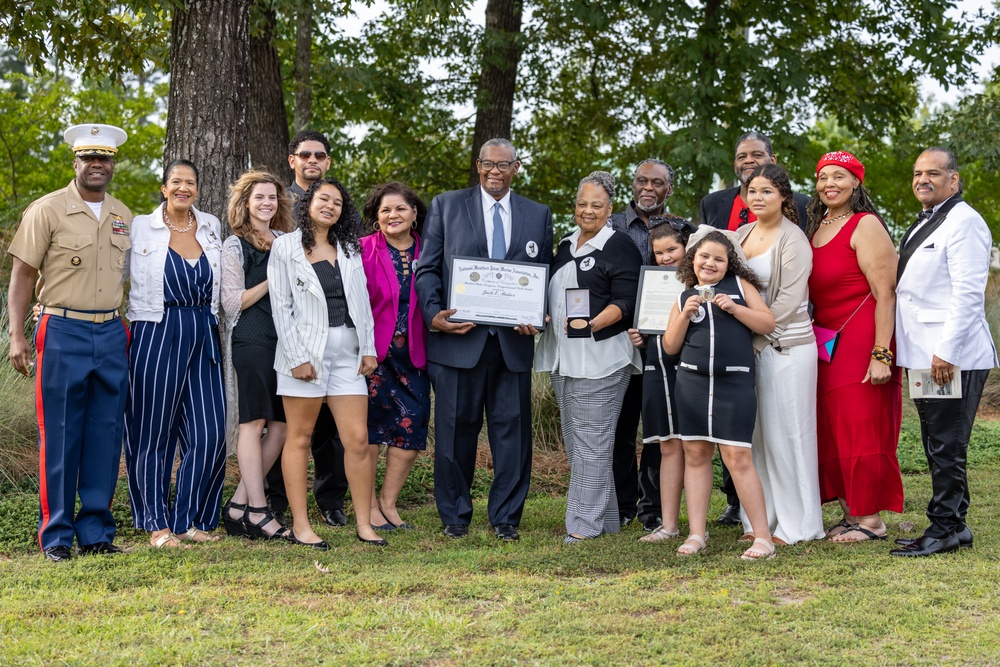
(579, 324)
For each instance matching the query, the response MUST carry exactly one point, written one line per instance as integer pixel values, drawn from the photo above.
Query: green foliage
(101, 38)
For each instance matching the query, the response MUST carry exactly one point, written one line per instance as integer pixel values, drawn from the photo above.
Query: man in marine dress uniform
(75, 241)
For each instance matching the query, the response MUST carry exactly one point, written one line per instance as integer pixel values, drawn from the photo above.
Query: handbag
(828, 339)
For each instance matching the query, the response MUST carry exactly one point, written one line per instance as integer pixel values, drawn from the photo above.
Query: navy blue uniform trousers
(81, 384)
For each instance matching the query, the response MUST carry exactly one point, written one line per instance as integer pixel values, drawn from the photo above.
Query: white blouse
(579, 357)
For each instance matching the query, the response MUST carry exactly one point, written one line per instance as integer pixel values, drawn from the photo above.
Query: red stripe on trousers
(43, 487)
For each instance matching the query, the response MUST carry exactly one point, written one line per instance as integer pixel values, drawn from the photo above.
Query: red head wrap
(845, 160)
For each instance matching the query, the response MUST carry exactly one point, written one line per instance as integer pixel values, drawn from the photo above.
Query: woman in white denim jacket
(326, 344)
(176, 400)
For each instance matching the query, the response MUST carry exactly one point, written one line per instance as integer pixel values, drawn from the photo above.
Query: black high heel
(255, 530)
(375, 543)
(234, 527)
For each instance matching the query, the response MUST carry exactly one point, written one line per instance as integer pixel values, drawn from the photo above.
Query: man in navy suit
(474, 367)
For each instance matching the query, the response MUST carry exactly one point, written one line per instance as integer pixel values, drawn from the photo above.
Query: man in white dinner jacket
(941, 325)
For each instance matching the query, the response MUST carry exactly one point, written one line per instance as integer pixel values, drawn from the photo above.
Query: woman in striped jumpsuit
(176, 403)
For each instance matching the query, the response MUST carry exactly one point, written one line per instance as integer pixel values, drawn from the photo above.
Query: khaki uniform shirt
(79, 259)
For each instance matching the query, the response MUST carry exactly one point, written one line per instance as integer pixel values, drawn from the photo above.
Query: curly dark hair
(779, 179)
(861, 202)
(685, 270)
(344, 231)
(369, 213)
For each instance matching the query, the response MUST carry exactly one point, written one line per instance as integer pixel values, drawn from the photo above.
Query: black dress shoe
(456, 530)
(335, 517)
(99, 548)
(730, 517)
(507, 533)
(964, 539)
(377, 542)
(58, 554)
(651, 523)
(927, 546)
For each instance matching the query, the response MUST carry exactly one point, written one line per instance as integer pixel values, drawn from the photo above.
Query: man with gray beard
(638, 487)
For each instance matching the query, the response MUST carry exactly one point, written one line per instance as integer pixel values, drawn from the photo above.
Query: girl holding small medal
(711, 327)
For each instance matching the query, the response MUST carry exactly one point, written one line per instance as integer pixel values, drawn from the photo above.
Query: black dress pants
(945, 426)
(329, 479)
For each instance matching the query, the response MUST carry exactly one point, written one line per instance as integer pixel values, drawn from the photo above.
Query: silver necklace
(827, 221)
(166, 221)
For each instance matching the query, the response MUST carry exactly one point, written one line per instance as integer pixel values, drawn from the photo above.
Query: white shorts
(339, 375)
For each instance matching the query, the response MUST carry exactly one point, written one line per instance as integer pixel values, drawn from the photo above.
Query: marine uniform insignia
(76, 261)
(118, 225)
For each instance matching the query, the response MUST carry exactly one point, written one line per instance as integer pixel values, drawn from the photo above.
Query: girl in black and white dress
(711, 327)
(668, 240)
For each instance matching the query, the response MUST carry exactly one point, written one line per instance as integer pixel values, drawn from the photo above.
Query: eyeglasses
(679, 224)
(305, 155)
(488, 165)
(744, 216)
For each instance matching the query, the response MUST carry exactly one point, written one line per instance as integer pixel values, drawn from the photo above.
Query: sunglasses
(305, 155)
(678, 224)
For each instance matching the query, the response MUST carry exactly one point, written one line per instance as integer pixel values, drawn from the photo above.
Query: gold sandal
(169, 540)
(196, 535)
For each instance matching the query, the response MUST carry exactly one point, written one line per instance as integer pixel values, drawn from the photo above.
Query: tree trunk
(268, 123)
(209, 94)
(303, 65)
(497, 82)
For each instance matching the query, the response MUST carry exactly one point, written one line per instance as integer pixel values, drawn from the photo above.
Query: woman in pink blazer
(399, 390)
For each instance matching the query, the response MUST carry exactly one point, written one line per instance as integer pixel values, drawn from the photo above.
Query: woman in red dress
(859, 394)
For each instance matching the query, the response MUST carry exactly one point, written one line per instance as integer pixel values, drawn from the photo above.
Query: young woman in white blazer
(326, 345)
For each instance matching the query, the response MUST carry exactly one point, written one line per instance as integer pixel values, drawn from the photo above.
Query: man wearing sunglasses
(638, 487)
(476, 367)
(309, 157)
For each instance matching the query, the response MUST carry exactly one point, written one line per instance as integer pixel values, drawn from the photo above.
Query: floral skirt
(399, 406)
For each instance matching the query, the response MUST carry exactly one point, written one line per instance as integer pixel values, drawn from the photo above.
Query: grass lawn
(430, 600)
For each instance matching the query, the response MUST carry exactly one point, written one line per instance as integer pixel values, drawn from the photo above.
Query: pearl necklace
(827, 221)
(166, 221)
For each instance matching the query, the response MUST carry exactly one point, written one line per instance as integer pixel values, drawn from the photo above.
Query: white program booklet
(922, 384)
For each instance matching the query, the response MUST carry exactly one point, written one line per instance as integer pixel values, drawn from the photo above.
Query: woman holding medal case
(711, 327)
(591, 358)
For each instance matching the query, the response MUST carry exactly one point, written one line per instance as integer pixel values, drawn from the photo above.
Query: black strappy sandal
(234, 527)
(255, 530)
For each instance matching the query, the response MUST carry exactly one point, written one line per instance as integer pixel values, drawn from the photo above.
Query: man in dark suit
(727, 209)
(476, 367)
(942, 334)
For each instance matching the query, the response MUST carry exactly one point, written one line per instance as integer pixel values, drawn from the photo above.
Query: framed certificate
(498, 292)
(658, 292)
